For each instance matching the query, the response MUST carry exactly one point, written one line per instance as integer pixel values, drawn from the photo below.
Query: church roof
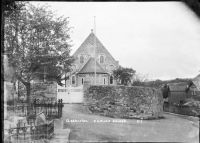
(90, 68)
(88, 47)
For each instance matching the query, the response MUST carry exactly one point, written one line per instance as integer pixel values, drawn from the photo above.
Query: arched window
(101, 59)
(73, 79)
(82, 81)
(81, 59)
(111, 79)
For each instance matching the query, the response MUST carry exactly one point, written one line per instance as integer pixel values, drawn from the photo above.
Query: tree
(124, 75)
(139, 80)
(194, 5)
(8, 7)
(165, 91)
(36, 41)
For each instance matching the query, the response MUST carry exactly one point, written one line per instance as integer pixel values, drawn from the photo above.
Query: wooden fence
(181, 109)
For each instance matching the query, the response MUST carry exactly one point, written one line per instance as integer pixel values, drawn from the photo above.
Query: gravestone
(40, 119)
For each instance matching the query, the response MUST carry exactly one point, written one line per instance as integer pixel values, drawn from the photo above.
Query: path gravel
(85, 128)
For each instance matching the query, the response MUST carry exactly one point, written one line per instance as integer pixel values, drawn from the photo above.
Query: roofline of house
(92, 73)
(75, 53)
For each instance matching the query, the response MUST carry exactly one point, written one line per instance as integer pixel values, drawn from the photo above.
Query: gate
(70, 94)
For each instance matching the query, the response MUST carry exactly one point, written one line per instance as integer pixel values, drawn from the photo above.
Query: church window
(104, 81)
(111, 79)
(81, 59)
(102, 59)
(82, 81)
(73, 79)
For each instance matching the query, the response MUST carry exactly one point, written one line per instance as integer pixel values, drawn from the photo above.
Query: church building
(93, 64)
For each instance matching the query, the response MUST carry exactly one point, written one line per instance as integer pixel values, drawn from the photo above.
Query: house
(177, 92)
(181, 91)
(196, 85)
(89, 55)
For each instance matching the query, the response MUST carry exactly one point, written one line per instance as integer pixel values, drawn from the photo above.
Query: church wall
(90, 79)
(87, 50)
(108, 65)
(77, 60)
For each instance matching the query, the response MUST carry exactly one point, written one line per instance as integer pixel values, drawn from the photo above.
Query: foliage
(10, 6)
(165, 91)
(192, 103)
(124, 75)
(158, 83)
(37, 42)
(139, 80)
(194, 5)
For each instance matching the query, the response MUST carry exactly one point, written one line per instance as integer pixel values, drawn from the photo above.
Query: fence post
(32, 130)
(58, 108)
(51, 107)
(18, 125)
(23, 108)
(61, 106)
(24, 130)
(46, 107)
(10, 133)
(28, 111)
(54, 109)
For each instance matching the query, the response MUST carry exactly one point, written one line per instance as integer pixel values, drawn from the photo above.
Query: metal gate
(70, 94)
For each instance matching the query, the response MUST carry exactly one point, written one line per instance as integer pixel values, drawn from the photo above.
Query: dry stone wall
(47, 90)
(124, 101)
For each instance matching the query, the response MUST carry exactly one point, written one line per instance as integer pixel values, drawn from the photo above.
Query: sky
(160, 40)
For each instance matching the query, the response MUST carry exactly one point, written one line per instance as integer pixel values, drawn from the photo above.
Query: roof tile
(90, 68)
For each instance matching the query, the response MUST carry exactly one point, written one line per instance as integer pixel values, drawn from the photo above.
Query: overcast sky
(158, 39)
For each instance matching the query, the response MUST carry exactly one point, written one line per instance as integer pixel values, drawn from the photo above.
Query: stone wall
(124, 101)
(47, 90)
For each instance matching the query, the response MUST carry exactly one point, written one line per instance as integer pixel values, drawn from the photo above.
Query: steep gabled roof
(88, 47)
(181, 86)
(196, 81)
(90, 68)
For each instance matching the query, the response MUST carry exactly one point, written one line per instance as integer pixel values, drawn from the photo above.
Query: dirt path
(86, 127)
